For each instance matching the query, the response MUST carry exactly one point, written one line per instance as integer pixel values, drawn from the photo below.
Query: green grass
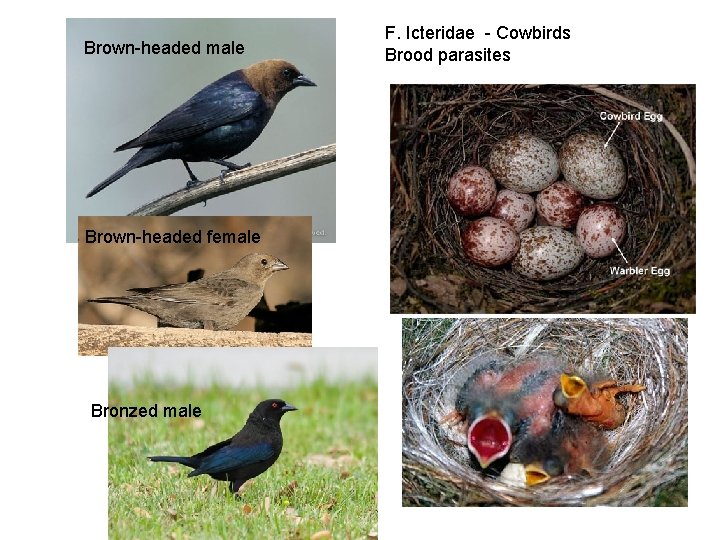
(295, 498)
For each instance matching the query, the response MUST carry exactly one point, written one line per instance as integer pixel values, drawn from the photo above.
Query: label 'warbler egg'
(547, 253)
(524, 163)
(591, 168)
(490, 242)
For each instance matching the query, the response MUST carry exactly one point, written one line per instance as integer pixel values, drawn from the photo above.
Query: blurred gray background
(247, 367)
(114, 98)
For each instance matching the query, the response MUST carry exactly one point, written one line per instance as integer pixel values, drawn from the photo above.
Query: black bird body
(216, 302)
(246, 455)
(218, 122)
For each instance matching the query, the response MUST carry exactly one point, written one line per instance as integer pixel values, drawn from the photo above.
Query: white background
(54, 455)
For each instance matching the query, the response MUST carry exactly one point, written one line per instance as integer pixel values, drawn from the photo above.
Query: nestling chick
(571, 446)
(596, 403)
(503, 395)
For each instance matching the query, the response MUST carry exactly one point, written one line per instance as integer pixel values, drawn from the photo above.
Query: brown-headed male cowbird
(221, 120)
(249, 453)
(216, 302)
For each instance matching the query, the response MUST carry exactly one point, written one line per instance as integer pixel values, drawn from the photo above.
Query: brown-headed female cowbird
(221, 120)
(216, 302)
(249, 453)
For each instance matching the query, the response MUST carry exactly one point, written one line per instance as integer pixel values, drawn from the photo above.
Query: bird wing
(207, 291)
(225, 101)
(230, 457)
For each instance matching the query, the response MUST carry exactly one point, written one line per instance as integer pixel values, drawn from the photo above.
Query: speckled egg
(471, 191)
(592, 169)
(547, 253)
(597, 226)
(518, 209)
(560, 205)
(524, 163)
(490, 242)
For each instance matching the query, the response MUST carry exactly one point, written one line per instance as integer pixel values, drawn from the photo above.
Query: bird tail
(112, 300)
(144, 156)
(187, 461)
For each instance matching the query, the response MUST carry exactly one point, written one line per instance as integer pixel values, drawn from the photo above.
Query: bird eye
(287, 73)
(275, 405)
(264, 262)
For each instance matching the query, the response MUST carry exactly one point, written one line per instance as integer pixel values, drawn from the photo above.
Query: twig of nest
(647, 451)
(439, 129)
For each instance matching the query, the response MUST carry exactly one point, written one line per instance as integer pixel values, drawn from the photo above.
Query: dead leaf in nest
(321, 535)
(326, 519)
(344, 475)
(288, 490)
(398, 286)
(328, 505)
(325, 460)
(172, 513)
(141, 512)
(449, 288)
(246, 509)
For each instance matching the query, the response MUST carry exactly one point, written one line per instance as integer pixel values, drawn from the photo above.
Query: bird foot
(230, 169)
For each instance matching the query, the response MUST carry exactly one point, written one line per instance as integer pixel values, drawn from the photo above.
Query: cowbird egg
(560, 205)
(591, 168)
(597, 226)
(547, 253)
(471, 191)
(518, 209)
(490, 242)
(524, 163)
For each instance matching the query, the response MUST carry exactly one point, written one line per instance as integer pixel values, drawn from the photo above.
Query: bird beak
(279, 266)
(489, 438)
(535, 474)
(572, 386)
(287, 407)
(302, 80)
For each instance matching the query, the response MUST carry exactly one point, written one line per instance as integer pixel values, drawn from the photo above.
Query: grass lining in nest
(648, 451)
(439, 129)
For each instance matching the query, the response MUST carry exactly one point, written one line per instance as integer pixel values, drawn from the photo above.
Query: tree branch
(236, 180)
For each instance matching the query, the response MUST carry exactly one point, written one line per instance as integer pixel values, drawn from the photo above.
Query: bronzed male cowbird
(221, 120)
(247, 454)
(216, 302)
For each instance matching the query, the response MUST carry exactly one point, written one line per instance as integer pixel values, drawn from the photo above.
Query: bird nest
(438, 129)
(648, 451)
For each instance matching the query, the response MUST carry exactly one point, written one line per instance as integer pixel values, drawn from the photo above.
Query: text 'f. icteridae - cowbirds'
(249, 453)
(221, 120)
(216, 302)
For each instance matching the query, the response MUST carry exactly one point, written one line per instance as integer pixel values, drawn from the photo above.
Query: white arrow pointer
(618, 248)
(611, 136)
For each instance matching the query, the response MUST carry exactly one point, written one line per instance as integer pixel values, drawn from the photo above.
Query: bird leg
(230, 167)
(193, 179)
